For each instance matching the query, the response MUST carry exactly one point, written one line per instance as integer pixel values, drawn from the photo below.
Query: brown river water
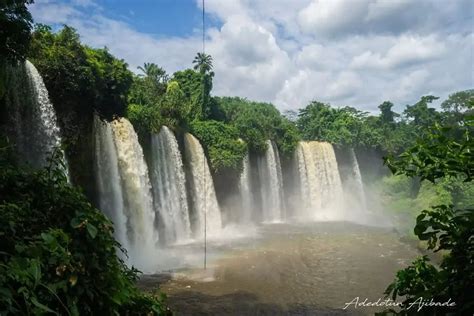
(287, 269)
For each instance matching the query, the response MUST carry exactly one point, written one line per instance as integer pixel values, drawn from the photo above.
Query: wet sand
(309, 269)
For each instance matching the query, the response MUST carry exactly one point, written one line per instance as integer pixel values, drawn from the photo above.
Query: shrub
(57, 252)
(224, 148)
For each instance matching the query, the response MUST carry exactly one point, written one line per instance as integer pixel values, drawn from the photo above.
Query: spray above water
(169, 187)
(202, 189)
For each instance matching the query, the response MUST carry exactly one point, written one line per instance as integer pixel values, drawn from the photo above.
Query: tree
(422, 115)
(155, 77)
(221, 142)
(457, 106)
(459, 102)
(15, 27)
(190, 82)
(319, 121)
(258, 122)
(440, 154)
(387, 116)
(174, 106)
(203, 63)
(80, 81)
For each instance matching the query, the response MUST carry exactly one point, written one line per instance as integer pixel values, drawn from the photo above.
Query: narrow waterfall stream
(358, 180)
(271, 186)
(36, 129)
(169, 187)
(245, 189)
(204, 201)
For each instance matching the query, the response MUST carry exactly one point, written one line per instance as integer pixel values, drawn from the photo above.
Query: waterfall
(136, 190)
(271, 186)
(202, 189)
(108, 180)
(36, 130)
(169, 187)
(358, 179)
(320, 183)
(245, 188)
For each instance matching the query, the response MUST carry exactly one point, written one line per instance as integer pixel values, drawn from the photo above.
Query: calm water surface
(285, 269)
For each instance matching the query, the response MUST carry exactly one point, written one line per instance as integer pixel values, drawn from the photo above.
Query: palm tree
(152, 70)
(203, 63)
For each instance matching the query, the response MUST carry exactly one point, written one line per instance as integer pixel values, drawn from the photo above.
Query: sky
(289, 52)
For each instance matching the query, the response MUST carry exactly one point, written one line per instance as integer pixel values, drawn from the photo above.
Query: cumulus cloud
(406, 50)
(356, 53)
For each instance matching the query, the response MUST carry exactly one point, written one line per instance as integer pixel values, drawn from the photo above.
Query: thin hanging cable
(203, 109)
(203, 28)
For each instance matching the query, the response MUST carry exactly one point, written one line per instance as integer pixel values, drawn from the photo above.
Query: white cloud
(406, 50)
(331, 16)
(380, 9)
(356, 53)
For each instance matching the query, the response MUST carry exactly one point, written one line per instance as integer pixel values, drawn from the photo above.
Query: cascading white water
(320, 183)
(271, 185)
(36, 129)
(203, 195)
(245, 188)
(169, 187)
(358, 179)
(108, 180)
(142, 232)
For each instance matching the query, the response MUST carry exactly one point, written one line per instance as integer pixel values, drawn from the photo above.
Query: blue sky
(289, 52)
(159, 18)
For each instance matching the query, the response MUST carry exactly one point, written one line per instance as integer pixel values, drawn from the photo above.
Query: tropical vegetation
(57, 252)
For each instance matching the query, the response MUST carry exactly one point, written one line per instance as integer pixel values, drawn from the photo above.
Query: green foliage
(203, 63)
(387, 116)
(57, 252)
(287, 137)
(457, 106)
(79, 79)
(224, 149)
(154, 72)
(438, 155)
(15, 27)
(174, 106)
(155, 108)
(190, 83)
(145, 119)
(343, 126)
(187, 104)
(421, 114)
(387, 131)
(441, 153)
(396, 195)
(111, 82)
(257, 122)
(443, 228)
